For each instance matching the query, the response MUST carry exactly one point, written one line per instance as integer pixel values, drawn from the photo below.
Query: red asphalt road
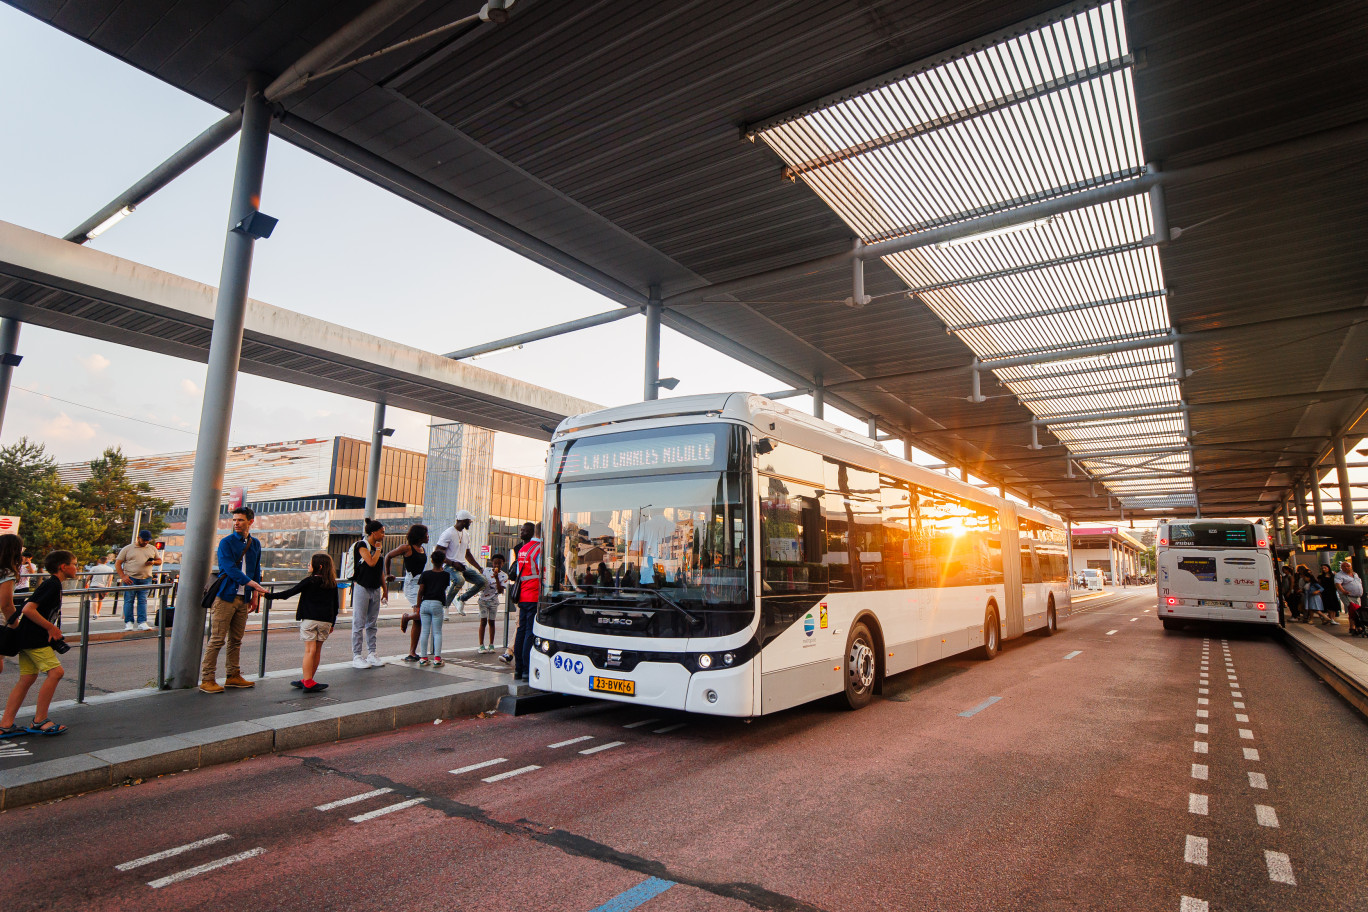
(1070, 792)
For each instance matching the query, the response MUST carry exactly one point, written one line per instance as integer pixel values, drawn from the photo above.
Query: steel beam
(1087, 351)
(651, 389)
(9, 360)
(548, 332)
(220, 384)
(190, 155)
(1052, 311)
(1086, 371)
(370, 23)
(786, 394)
(377, 449)
(1032, 267)
(1087, 417)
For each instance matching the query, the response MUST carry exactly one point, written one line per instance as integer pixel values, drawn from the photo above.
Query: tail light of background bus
(1163, 541)
(1171, 600)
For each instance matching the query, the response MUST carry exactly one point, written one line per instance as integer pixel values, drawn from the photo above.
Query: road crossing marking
(1279, 867)
(1251, 753)
(511, 773)
(479, 766)
(1076, 652)
(388, 809)
(1199, 771)
(1258, 781)
(630, 899)
(571, 741)
(602, 747)
(352, 800)
(1195, 852)
(980, 708)
(640, 723)
(1197, 804)
(13, 750)
(669, 728)
(170, 853)
(1266, 815)
(204, 868)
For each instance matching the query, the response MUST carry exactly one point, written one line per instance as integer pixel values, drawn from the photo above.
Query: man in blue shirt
(239, 594)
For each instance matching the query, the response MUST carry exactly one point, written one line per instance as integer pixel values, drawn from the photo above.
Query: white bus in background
(726, 554)
(1216, 570)
(1093, 579)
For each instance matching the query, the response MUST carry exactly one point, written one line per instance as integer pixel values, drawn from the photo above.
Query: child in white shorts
(490, 597)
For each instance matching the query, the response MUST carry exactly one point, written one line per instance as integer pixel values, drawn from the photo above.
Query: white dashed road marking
(1110, 632)
(1201, 728)
(1193, 905)
(1258, 781)
(669, 728)
(1279, 867)
(1195, 852)
(1241, 717)
(1247, 734)
(170, 853)
(1203, 714)
(1133, 620)
(1251, 754)
(1266, 815)
(352, 800)
(1239, 705)
(388, 809)
(222, 863)
(1076, 652)
(601, 747)
(1199, 771)
(1199, 747)
(511, 773)
(479, 766)
(1203, 701)
(570, 741)
(1197, 804)
(641, 723)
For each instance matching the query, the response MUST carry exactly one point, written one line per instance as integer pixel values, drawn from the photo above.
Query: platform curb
(67, 776)
(1345, 673)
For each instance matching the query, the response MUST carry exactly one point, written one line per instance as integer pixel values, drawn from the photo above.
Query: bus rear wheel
(1172, 624)
(992, 634)
(861, 667)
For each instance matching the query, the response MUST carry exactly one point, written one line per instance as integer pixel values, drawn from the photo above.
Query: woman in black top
(414, 553)
(316, 613)
(1330, 602)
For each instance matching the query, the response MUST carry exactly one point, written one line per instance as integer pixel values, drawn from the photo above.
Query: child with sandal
(40, 641)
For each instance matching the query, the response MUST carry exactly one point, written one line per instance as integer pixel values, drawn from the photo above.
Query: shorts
(38, 661)
(489, 612)
(316, 631)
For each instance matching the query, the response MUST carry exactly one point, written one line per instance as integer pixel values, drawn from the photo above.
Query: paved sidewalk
(1338, 658)
(122, 737)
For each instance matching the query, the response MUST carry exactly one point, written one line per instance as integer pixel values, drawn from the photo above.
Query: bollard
(85, 651)
(161, 642)
(265, 621)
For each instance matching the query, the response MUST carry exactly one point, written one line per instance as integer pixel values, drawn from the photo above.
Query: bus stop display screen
(1212, 535)
(613, 455)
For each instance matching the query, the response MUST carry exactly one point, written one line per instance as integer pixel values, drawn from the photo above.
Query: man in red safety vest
(529, 573)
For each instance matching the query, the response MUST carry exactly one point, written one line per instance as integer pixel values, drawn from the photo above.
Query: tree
(113, 498)
(48, 516)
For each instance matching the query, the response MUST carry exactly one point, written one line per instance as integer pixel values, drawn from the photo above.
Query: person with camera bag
(40, 640)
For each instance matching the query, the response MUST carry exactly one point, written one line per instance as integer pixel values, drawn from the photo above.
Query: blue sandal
(13, 731)
(46, 727)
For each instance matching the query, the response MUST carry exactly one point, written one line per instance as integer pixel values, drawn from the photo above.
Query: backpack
(349, 564)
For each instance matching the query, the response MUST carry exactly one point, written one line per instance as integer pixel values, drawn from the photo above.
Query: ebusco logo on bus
(809, 625)
(565, 663)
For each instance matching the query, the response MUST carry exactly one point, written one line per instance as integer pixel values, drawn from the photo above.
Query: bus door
(1013, 621)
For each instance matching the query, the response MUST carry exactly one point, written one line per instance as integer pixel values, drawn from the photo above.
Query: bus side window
(791, 538)
(854, 554)
(897, 505)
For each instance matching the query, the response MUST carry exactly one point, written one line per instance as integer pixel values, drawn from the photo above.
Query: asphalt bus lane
(1075, 788)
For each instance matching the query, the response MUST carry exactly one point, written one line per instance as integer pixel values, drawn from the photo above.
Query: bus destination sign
(588, 456)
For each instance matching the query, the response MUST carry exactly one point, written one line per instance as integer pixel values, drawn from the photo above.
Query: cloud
(189, 387)
(95, 362)
(62, 429)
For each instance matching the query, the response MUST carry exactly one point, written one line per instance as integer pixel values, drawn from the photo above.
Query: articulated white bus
(1216, 570)
(726, 554)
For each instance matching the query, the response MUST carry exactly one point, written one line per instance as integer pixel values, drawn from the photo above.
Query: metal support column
(220, 384)
(907, 448)
(9, 360)
(1317, 510)
(1346, 493)
(1299, 492)
(818, 397)
(654, 308)
(873, 428)
(377, 449)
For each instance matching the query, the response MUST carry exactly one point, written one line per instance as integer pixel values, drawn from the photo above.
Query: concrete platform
(1341, 661)
(153, 733)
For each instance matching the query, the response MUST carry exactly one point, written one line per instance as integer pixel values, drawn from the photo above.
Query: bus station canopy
(1107, 254)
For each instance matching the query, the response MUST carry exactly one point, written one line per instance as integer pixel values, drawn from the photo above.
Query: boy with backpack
(40, 641)
(496, 582)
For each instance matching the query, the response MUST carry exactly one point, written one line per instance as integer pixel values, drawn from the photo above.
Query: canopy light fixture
(497, 351)
(110, 222)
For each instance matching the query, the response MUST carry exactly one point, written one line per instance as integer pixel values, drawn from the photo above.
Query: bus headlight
(728, 658)
(544, 645)
(705, 661)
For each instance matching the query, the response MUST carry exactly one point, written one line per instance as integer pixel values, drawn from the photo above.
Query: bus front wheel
(1051, 620)
(861, 667)
(992, 634)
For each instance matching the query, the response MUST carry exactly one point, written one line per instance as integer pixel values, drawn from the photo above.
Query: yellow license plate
(613, 686)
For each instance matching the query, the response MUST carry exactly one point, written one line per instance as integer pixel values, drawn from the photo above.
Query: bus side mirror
(764, 445)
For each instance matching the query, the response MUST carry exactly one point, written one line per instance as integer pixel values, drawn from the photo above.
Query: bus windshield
(637, 546)
(1212, 534)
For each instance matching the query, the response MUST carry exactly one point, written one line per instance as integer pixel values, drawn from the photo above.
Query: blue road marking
(981, 707)
(642, 892)
(1074, 653)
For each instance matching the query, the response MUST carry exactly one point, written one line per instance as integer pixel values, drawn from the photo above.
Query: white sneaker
(143, 626)
(358, 662)
(462, 611)
(128, 625)
(374, 661)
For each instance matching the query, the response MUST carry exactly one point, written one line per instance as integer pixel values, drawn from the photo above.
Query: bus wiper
(666, 600)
